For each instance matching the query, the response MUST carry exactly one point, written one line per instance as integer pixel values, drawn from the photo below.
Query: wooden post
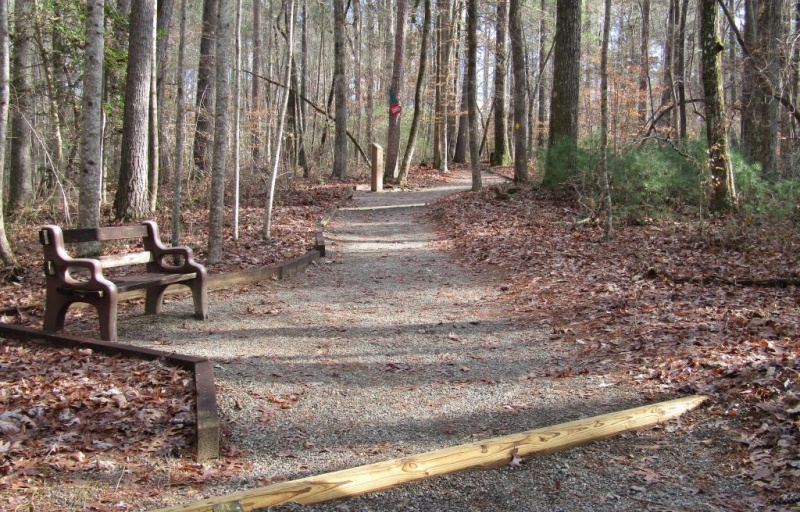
(483, 454)
(377, 167)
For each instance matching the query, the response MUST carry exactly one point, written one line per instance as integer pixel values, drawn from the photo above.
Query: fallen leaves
(633, 324)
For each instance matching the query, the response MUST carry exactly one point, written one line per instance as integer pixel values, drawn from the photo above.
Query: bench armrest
(153, 244)
(58, 265)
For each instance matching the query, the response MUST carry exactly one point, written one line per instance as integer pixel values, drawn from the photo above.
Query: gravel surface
(388, 348)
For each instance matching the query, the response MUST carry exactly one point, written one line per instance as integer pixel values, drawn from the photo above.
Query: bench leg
(154, 300)
(107, 311)
(55, 312)
(200, 298)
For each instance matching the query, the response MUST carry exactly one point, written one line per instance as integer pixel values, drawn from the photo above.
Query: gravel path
(388, 348)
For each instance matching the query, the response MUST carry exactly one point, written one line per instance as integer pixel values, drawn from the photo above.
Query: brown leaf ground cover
(657, 306)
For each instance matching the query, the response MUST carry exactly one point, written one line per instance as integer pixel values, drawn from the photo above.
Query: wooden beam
(483, 454)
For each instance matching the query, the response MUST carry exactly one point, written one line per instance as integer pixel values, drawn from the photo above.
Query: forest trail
(387, 348)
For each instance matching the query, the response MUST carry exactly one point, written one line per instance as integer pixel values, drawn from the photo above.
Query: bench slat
(72, 236)
(121, 260)
(139, 281)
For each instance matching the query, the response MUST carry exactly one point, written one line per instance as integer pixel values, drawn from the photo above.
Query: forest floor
(666, 307)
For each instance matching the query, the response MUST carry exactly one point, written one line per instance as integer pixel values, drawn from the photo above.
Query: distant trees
(72, 148)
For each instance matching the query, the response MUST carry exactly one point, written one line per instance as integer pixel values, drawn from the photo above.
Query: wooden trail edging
(483, 454)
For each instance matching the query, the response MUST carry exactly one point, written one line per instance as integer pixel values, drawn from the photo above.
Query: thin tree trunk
(402, 178)
(520, 90)
(221, 125)
(180, 125)
(541, 116)
(6, 254)
(92, 123)
(501, 150)
(603, 165)
(154, 151)
(205, 86)
(281, 117)
(339, 66)
(395, 90)
(237, 117)
(644, 62)
(164, 15)
(255, 92)
(20, 193)
(722, 186)
(472, 93)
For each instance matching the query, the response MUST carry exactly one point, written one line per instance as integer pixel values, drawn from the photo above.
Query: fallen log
(483, 454)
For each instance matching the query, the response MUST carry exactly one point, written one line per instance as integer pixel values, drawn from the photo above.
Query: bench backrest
(82, 235)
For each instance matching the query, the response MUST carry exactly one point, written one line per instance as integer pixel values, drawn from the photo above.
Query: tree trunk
(6, 254)
(255, 90)
(472, 93)
(205, 87)
(402, 177)
(462, 137)
(267, 231)
(180, 124)
(680, 71)
(164, 18)
(603, 165)
(668, 94)
(501, 155)
(92, 123)
(520, 90)
(562, 158)
(154, 149)
(644, 62)
(541, 116)
(722, 191)
(443, 17)
(340, 91)
(20, 192)
(131, 200)
(395, 90)
(216, 207)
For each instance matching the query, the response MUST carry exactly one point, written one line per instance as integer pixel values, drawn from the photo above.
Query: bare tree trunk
(721, 174)
(680, 71)
(281, 117)
(462, 137)
(520, 90)
(444, 15)
(154, 151)
(563, 142)
(541, 116)
(20, 193)
(164, 17)
(340, 138)
(402, 178)
(644, 62)
(6, 254)
(205, 86)
(255, 93)
(92, 123)
(603, 165)
(501, 150)
(472, 93)
(180, 125)
(131, 200)
(216, 207)
(395, 90)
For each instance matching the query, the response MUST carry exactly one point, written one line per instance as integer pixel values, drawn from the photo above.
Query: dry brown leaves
(738, 344)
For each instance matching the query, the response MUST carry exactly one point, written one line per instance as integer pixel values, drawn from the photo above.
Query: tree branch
(310, 103)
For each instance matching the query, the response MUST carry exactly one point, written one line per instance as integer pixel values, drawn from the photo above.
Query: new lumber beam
(483, 454)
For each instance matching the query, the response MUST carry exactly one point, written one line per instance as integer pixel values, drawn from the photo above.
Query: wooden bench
(70, 280)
